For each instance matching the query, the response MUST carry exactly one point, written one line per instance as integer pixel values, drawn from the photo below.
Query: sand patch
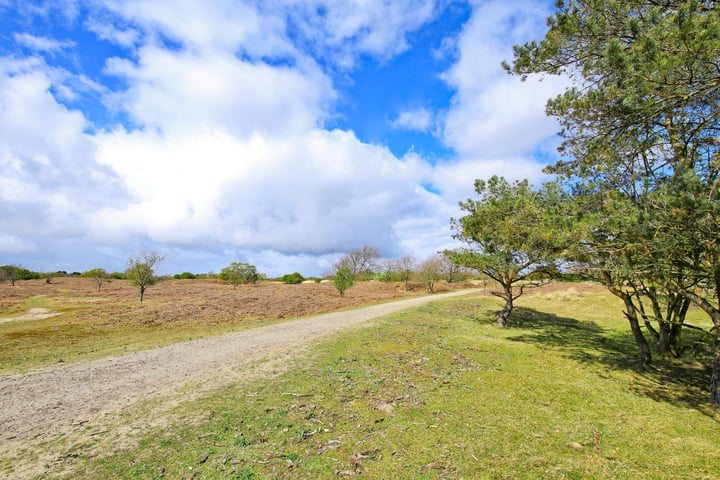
(32, 314)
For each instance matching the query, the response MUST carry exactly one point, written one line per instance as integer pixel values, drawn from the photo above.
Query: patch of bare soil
(32, 314)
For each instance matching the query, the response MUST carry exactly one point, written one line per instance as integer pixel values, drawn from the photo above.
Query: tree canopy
(141, 270)
(239, 273)
(512, 232)
(641, 150)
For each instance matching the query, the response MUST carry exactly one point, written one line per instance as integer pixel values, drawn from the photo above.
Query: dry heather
(196, 300)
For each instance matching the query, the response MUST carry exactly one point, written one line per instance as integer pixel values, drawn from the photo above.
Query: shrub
(184, 276)
(292, 278)
(239, 273)
(13, 273)
(343, 280)
(98, 275)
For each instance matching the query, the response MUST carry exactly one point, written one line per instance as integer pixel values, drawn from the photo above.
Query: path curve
(53, 400)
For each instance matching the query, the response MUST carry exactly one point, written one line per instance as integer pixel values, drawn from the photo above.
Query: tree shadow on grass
(682, 382)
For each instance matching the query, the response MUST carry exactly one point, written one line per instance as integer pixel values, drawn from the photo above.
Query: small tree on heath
(11, 273)
(430, 271)
(140, 271)
(343, 280)
(98, 275)
(513, 233)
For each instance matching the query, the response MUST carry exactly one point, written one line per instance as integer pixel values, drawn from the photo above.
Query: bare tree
(430, 271)
(404, 268)
(359, 261)
(452, 271)
(140, 271)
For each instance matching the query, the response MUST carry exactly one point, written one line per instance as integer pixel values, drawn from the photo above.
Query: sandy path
(54, 400)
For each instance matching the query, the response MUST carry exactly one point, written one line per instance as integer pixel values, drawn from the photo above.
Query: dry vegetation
(196, 300)
(94, 324)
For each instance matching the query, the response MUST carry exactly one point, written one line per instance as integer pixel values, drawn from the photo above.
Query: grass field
(440, 392)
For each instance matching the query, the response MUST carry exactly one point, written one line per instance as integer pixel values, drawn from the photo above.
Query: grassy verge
(440, 392)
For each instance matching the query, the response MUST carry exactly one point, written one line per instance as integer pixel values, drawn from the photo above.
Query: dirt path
(56, 400)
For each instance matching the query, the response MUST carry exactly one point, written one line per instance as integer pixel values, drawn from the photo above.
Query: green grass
(440, 392)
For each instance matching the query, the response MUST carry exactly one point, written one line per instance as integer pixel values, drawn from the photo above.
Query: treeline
(363, 264)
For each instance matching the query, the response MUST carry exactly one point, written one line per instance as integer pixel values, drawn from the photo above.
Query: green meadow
(439, 392)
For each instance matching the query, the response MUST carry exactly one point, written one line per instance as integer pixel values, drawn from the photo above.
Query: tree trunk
(503, 314)
(715, 378)
(142, 293)
(631, 313)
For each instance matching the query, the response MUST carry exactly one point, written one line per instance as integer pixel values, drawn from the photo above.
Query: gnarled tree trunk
(502, 315)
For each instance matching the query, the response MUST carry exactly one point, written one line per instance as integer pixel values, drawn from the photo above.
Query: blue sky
(282, 133)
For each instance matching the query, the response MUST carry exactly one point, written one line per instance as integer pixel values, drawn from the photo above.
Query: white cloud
(419, 119)
(302, 194)
(336, 31)
(348, 28)
(64, 10)
(180, 91)
(225, 156)
(220, 26)
(456, 179)
(494, 114)
(42, 44)
(110, 29)
(48, 177)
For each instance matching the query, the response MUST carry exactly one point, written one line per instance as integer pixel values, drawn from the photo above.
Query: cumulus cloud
(45, 154)
(419, 119)
(183, 91)
(49, 182)
(223, 153)
(456, 179)
(345, 29)
(494, 114)
(221, 25)
(303, 194)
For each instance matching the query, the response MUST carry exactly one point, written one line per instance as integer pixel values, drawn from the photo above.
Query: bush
(13, 273)
(238, 273)
(184, 276)
(292, 278)
(343, 280)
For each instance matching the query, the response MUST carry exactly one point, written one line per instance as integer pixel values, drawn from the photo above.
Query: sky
(282, 133)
